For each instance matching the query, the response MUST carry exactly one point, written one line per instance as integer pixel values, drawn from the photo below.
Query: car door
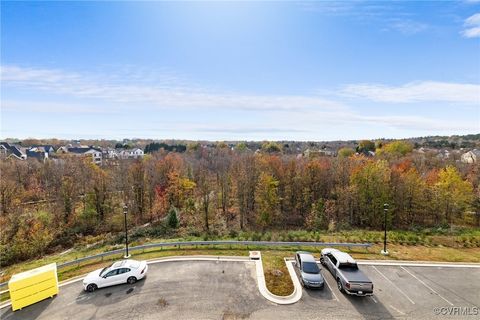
(112, 278)
(124, 273)
(297, 261)
(331, 261)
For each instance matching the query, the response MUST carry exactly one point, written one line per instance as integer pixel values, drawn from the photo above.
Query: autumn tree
(204, 188)
(364, 146)
(137, 181)
(345, 152)
(454, 195)
(245, 173)
(271, 147)
(409, 194)
(266, 199)
(372, 186)
(396, 148)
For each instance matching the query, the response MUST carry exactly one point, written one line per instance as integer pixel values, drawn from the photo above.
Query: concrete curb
(262, 286)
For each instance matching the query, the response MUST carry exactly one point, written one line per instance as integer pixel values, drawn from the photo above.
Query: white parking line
(399, 290)
(402, 313)
(427, 286)
(334, 295)
(374, 300)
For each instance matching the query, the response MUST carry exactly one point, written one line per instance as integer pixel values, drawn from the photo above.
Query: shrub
(172, 218)
(233, 233)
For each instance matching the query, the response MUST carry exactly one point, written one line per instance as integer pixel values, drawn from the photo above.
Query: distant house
(94, 153)
(134, 153)
(109, 153)
(44, 148)
(3, 151)
(443, 154)
(472, 156)
(39, 153)
(325, 152)
(62, 150)
(12, 151)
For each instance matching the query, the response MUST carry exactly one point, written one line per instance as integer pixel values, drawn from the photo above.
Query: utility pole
(125, 211)
(385, 211)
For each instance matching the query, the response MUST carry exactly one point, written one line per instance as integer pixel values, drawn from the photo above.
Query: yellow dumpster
(32, 286)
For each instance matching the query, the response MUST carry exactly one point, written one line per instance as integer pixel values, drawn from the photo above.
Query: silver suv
(308, 270)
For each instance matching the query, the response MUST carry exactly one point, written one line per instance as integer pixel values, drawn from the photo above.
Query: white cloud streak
(291, 115)
(409, 27)
(472, 26)
(158, 95)
(417, 92)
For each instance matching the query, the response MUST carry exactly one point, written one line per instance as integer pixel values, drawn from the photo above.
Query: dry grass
(278, 283)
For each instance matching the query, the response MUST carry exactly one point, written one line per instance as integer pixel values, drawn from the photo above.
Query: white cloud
(408, 27)
(417, 92)
(156, 94)
(473, 20)
(472, 25)
(310, 117)
(26, 106)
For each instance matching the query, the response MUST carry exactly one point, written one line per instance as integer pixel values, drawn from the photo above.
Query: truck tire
(340, 285)
(322, 261)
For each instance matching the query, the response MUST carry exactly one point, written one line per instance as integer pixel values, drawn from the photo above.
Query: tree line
(49, 206)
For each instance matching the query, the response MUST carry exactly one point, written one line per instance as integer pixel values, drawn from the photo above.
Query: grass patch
(277, 276)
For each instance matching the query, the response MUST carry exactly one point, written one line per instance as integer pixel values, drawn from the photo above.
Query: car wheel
(322, 261)
(131, 280)
(92, 287)
(339, 285)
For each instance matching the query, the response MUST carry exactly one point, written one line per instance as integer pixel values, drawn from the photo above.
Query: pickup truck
(344, 269)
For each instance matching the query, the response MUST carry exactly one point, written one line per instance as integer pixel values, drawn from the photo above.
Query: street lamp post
(385, 211)
(125, 211)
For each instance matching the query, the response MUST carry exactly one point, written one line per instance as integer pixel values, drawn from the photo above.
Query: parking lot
(403, 293)
(228, 290)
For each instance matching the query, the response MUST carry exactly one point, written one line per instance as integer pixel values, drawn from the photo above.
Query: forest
(47, 207)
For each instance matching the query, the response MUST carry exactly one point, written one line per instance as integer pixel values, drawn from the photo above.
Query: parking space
(229, 290)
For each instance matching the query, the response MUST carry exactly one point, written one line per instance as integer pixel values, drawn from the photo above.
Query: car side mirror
(104, 277)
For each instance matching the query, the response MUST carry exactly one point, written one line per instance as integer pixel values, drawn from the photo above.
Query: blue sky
(240, 70)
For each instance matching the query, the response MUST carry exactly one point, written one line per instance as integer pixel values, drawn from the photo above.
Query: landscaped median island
(277, 277)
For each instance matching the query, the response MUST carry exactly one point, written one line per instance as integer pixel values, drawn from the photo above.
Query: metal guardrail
(207, 243)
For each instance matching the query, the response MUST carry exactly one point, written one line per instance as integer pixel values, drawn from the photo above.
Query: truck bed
(354, 276)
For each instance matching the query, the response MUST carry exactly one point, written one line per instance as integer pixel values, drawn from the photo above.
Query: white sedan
(126, 271)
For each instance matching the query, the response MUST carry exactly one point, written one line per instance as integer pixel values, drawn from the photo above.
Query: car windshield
(348, 266)
(310, 267)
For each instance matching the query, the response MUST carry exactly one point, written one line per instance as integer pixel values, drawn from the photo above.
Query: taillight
(347, 285)
(143, 270)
